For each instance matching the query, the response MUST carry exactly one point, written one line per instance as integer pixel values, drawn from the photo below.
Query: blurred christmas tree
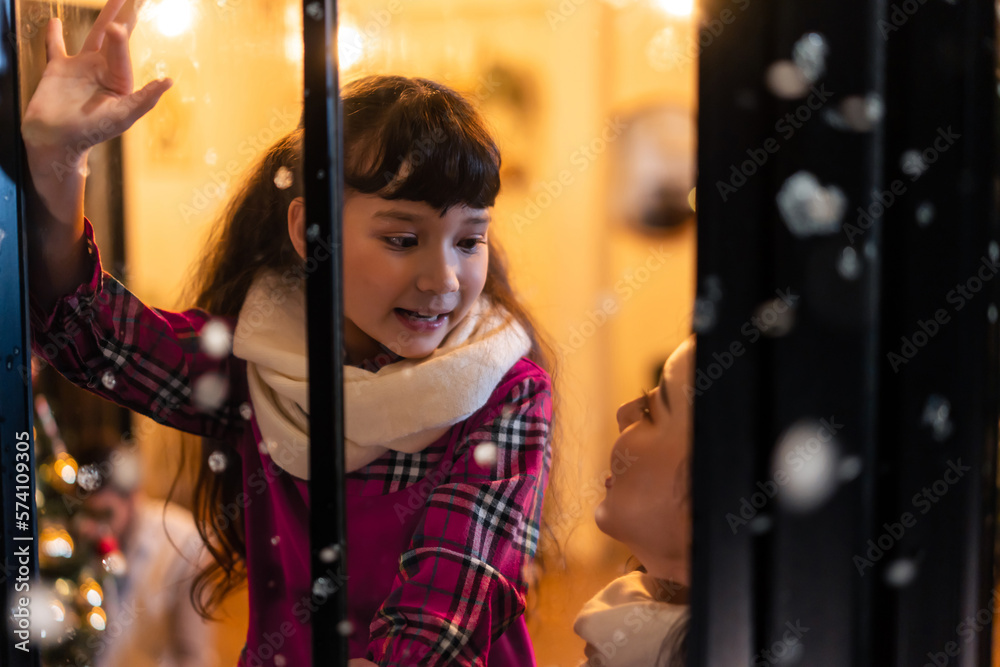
(70, 614)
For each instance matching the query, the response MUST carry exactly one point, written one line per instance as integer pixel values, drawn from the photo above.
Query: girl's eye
(400, 241)
(469, 245)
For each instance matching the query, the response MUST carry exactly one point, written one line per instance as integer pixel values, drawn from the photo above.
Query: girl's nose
(628, 414)
(438, 277)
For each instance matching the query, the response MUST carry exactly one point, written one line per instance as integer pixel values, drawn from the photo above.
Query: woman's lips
(409, 319)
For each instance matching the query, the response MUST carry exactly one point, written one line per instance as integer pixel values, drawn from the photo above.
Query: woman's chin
(602, 519)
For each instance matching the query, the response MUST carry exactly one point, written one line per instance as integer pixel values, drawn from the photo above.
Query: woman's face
(410, 273)
(646, 506)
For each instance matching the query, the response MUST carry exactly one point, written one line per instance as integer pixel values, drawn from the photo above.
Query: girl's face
(646, 506)
(410, 273)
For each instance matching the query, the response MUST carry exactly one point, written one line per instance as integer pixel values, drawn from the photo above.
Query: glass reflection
(592, 108)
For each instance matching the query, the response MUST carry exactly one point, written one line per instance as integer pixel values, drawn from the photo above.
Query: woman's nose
(627, 415)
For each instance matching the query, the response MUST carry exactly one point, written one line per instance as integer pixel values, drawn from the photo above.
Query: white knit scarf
(626, 623)
(405, 406)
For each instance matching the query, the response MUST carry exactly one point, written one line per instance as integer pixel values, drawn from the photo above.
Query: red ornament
(106, 545)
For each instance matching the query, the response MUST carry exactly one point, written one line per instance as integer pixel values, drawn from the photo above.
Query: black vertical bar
(19, 559)
(323, 173)
(731, 117)
(788, 334)
(824, 371)
(940, 358)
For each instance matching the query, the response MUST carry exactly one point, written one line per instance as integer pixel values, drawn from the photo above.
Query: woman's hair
(404, 138)
(674, 649)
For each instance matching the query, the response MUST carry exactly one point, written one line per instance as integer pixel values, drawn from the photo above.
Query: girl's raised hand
(84, 99)
(80, 101)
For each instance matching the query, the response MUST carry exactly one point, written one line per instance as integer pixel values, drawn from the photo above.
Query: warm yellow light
(67, 473)
(350, 40)
(676, 7)
(350, 45)
(65, 467)
(294, 51)
(58, 611)
(97, 618)
(62, 586)
(692, 199)
(171, 17)
(92, 593)
(56, 543)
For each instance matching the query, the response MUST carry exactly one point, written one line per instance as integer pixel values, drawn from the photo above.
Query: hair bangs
(425, 143)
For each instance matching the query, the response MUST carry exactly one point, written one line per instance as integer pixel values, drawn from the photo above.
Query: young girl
(448, 400)
(641, 619)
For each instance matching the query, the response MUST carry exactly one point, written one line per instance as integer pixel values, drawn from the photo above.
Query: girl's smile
(419, 322)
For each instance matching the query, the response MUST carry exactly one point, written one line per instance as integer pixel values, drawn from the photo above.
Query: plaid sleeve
(461, 581)
(105, 340)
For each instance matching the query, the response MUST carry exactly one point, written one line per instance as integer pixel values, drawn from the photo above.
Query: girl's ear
(297, 225)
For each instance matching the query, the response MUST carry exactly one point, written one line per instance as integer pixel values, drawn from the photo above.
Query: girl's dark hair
(417, 140)
(404, 138)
